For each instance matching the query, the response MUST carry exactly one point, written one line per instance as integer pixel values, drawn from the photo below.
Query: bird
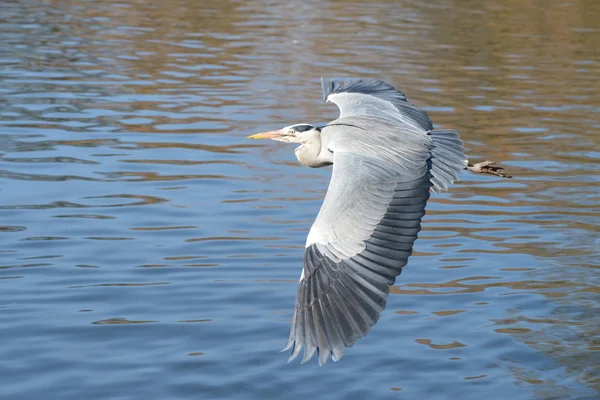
(387, 158)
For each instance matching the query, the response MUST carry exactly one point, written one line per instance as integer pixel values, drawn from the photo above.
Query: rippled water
(148, 250)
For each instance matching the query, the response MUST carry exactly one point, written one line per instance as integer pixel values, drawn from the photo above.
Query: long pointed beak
(267, 135)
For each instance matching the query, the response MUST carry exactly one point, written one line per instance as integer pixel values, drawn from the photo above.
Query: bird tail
(447, 158)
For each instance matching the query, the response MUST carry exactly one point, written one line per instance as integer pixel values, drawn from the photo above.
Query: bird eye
(292, 132)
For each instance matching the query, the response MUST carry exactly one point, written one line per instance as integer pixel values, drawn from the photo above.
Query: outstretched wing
(362, 237)
(383, 165)
(375, 98)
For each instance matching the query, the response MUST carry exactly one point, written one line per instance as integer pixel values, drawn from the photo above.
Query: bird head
(297, 133)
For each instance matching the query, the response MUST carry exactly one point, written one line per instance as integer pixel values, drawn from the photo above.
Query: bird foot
(487, 167)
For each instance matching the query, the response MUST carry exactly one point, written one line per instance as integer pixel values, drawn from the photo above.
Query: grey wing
(356, 253)
(361, 238)
(364, 232)
(372, 97)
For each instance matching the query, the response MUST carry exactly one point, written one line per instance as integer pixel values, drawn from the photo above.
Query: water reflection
(132, 202)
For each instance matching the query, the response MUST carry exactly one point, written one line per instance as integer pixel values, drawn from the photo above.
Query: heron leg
(487, 167)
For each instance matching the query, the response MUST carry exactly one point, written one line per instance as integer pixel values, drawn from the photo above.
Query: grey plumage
(374, 98)
(386, 159)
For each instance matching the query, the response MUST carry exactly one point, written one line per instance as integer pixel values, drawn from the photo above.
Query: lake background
(149, 251)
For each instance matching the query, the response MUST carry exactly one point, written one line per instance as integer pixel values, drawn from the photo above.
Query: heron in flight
(386, 158)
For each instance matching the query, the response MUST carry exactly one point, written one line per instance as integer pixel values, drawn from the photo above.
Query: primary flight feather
(386, 159)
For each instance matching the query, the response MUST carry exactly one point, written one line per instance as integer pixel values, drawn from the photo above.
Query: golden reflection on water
(461, 287)
(440, 346)
(519, 81)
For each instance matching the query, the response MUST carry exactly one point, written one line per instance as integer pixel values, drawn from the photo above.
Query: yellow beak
(267, 135)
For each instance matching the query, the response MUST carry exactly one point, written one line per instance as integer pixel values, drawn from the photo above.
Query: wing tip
(358, 85)
(309, 352)
(295, 351)
(323, 355)
(288, 346)
(327, 87)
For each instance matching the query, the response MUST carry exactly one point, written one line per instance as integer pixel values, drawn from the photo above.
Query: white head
(298, 133)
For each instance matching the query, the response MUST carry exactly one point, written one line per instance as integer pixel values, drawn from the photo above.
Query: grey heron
(387, 158)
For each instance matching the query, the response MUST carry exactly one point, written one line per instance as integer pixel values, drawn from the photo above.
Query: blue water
(149, 251)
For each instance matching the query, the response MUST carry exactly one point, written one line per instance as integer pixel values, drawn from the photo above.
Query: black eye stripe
(302, 127)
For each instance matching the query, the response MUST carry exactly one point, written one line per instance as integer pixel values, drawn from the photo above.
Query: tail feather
(447, 158)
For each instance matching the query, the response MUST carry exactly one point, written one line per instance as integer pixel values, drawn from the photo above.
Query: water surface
(148, 250)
